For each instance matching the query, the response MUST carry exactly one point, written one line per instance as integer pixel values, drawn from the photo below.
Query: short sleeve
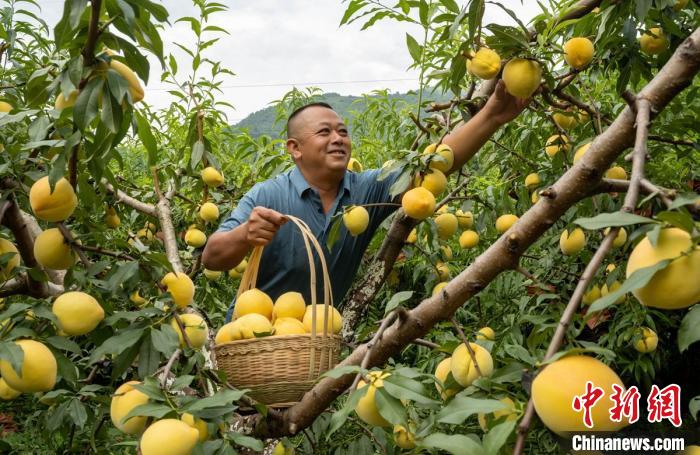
(241, 213)
(379, 190)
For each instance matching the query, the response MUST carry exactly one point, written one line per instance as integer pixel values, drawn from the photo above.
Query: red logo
(626, 403)
(662, 404)
(586, 401)
(665, 404)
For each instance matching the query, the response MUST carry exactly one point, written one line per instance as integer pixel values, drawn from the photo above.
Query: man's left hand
(502, 107)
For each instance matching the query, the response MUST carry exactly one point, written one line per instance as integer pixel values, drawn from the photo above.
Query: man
(320, 186)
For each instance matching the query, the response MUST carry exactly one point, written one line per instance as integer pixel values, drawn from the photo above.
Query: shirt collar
(301, 185)
(299, 181)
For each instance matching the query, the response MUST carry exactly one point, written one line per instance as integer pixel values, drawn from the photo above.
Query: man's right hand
(262, 225)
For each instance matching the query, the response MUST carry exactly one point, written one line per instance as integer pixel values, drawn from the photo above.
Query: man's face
(320, 141)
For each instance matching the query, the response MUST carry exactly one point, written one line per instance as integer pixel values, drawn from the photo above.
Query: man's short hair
(299, 111)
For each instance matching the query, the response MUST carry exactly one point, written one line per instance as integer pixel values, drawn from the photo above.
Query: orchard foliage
(70, 110)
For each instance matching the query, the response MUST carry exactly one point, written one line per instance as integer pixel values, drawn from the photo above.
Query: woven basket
(279, 370)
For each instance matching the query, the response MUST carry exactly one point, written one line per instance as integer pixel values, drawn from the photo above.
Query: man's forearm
(225, 250)
(468, 138)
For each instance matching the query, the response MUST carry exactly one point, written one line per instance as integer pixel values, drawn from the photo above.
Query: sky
(274, 45)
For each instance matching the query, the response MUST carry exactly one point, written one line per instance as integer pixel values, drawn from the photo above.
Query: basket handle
(250, 276)
(328, 298)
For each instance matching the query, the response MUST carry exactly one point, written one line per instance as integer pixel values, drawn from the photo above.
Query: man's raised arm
(467, 139)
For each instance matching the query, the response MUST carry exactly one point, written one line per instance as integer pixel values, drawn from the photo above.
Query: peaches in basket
(255, 315)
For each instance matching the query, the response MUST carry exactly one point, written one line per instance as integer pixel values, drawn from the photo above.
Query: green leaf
(684, 199)
(118, 343)
(127, 12)
(151, 388)
(156, 410)
(520, 353)
(341, 371)
(165, 340)
(181, 382)
(405, 388)
(396, 300)
(118, 86)
(653, 235)
(637, 280)
(58, 169)
(694, 407)
(612, 219)
(124, 361)
(76, 410)
(414, 48)
(55, 393)
(13, 310)
(451, 5)
(64, 344)
(90, 389)
(424, 12)
(158, 11)
(689, 331)
(226, 397)
(401, 184)
(85, 108)
(197, 153)
(497, 437)
(8, 119)
(514, 16)
(389, 407)
(510, 36)
(12, 353)
(147, 138)
(72, 11)
(334, 232)
(642, 9)
(475, 17)
(55, 419)
(66, 369)
(246, 441)
(340, 416)
(678, 219)
(111, 112)
(353, 7)
(462, 407)
(149, 357)
(123, 272)
(146, 312)
(455, 444)
(44, 312)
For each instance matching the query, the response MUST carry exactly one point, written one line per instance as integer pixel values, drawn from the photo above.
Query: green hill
(263, 121)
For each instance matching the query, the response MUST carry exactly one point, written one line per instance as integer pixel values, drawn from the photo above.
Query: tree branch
(168, 366)
(165, 219)
(665, 140)
(88, 51)
(388, 320)
(639, 155)
(102, 251)
(463, 337)
(73, 244)
(25, 230)
(573, 186)
(146, 209)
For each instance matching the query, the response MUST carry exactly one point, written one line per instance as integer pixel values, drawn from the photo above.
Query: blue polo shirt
(284, 264)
